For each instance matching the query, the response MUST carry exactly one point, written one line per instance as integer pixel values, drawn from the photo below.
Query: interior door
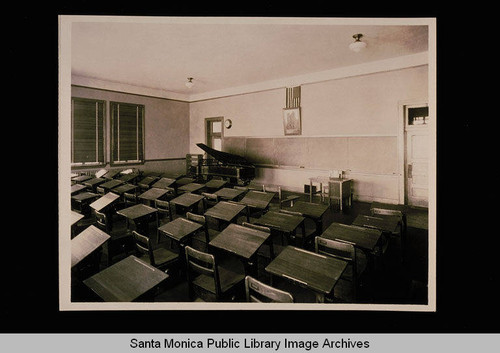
(417, 156)
(214, 133)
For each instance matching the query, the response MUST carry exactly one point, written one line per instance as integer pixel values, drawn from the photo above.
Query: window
(214, 133)
(87, 132)
(127, 130)
(418, 115)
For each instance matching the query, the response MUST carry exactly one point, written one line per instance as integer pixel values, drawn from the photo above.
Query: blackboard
(364, 154)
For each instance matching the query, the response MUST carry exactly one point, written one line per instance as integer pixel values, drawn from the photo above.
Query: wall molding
(398, 63)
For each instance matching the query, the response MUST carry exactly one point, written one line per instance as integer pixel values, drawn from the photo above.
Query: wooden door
(417, 155)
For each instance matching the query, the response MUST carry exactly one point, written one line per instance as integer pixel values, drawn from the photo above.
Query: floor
(392, 283)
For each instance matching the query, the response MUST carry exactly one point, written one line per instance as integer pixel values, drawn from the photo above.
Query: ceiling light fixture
(189, 82)
(357, 45)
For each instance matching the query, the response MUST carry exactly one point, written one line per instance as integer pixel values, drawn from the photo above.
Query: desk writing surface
(225, 211)
(179, 228)
(191, 187)
(363, 238)
(315, 271)
(111, 174)
(386, 206)
(215, 184)
(94, 181)
(82, 178)
(137, 211)
(284, 222)
(228, 193)
(147, 181)
(111, 184)
(187, 199)
(86, 242)
(387, 224)
(84, 196)
(127, 178)
(121, 189)
(75, 217)
(126, 280)
(184, 181)
(239, 240)
(104, 201)
(163, 183)
(258, 199)
(153, 194)
(309, 209)
(77, 188)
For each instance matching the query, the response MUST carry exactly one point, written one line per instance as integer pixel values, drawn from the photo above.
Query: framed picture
(291, 121)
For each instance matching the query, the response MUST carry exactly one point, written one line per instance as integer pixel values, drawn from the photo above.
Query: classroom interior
(255, 176)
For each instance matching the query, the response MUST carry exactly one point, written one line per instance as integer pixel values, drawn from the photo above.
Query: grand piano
(226, 165)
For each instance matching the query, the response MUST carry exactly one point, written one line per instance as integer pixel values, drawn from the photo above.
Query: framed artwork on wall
(291, 121)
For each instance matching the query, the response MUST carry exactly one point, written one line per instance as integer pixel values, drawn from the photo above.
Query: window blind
(87, 129)
(127, 132)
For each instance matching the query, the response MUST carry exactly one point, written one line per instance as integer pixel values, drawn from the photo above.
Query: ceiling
(219, 53)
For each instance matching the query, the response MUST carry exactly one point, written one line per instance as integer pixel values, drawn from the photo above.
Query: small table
(310, 270)
(105, 201)
(226, 211)
(258, 199)
(282, 222)
(163, 183)
(126, 280)
(340, 189)
(229, 194)
(191, 187)
(314, 211)
(187, 200)
(108, 185)
(215, 184)
(150, 195)
(86, 242)
(76, 188)
(243, 242)
(363, 238)
(138, 214)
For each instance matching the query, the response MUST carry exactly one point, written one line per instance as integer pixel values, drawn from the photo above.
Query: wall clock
(228, 123)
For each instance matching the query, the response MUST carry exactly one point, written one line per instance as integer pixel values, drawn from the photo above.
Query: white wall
(351, 107)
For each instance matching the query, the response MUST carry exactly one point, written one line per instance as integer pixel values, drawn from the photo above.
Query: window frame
(140, 137)
(97, 163)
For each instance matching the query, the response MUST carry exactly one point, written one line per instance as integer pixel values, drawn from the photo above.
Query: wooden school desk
(86, 242)
(187, 200)
(103, 203)
(191, 187)
(363, 238)
(124, 188)
(125, 281)
(150, 195)
(92, 184)
(215, 184)
(229, 194)
(81, 178)
(163, 183)
(258, 199)
(108, 185)
(76, 188)
(307, 269)
(285, 223)
(243, 242)
(313, 211)
(81, 201)
(226, 211)
(140, 214)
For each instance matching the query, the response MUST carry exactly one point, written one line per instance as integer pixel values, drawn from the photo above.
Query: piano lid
(224, 157)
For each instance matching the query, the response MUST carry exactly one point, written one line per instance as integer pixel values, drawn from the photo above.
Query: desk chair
(205, 235)
(289, 200)
(259, 292)
(401, 236)
(303, 239)
(130, 199)
(208, 280)
(209, 200)
(159, 257)
(120, 241)
(164, 210)
(346, 288)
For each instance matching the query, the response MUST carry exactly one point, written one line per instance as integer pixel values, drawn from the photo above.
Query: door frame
(210, 120)
(403, 199)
